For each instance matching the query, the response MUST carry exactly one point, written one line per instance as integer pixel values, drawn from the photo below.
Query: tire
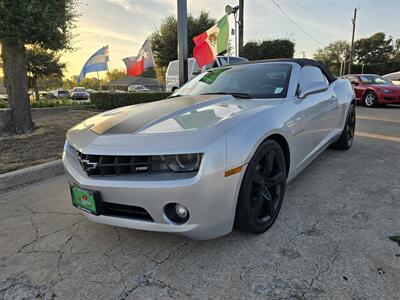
(347, 137)
(262, 190)
(370, 99)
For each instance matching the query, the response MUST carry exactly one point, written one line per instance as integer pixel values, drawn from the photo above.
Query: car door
(320, 111)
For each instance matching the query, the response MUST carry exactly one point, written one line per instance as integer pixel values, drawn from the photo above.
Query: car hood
(181, 114)
(176, 125)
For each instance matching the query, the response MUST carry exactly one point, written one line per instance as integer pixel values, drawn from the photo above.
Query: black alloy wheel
(350, 126)
(347, 137)
(262, 190)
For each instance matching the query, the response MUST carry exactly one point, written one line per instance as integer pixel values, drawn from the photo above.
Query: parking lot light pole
(182, 41)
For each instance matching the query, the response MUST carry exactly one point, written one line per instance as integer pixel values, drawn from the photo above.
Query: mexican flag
(212, 42)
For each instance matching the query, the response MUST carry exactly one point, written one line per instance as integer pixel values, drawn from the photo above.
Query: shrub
(3, 104)
(113, 100)
(57, 103)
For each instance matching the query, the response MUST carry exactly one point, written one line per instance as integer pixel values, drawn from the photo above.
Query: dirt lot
(45, 144)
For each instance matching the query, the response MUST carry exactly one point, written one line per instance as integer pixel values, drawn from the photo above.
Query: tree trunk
(14, 66)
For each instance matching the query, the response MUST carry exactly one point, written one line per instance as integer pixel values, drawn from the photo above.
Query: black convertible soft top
(302, 62)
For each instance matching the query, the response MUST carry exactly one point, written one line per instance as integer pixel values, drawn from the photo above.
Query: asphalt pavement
(330, 240)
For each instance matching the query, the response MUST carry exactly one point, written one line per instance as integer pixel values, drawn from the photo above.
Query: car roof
(394, 73)
(300, 61)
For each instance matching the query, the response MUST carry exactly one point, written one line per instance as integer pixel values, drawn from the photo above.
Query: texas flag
(135, 65)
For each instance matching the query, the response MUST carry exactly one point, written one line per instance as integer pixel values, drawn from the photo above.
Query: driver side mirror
(314, 87)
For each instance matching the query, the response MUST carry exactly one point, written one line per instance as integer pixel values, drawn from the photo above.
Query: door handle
(333, 98)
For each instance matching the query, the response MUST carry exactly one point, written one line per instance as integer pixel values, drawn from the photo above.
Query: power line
(312, 14)
(297, 25)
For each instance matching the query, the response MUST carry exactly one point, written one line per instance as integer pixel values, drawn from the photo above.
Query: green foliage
(47, 23)
(164, 41)
(49, 83)
(3, 104)
(57, 103)
(374, 49)
(333, 55)
(279, 48)
(116, 74)
(41, 62)
(113, 100)
(377, 53)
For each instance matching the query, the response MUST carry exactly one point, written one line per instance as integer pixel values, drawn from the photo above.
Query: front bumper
(209, 196)
(388, 98)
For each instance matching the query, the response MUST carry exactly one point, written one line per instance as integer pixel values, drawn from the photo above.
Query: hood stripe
(132, 119)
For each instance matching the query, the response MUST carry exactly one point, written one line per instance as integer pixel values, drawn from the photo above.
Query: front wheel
(370, 99)
(262, 191)
(347, 137)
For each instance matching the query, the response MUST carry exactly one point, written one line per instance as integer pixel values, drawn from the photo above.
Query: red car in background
(373, 90)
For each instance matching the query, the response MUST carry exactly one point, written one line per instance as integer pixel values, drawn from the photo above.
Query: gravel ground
(45, 144)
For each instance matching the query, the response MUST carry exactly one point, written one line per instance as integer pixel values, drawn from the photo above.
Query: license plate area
(88, 201)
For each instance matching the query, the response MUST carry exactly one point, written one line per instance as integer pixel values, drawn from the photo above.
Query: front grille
(126, 211)
(112, 165)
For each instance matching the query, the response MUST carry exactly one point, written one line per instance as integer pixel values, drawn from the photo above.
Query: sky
(125, 24)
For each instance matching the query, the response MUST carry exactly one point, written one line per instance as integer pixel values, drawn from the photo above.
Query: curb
(18, 178)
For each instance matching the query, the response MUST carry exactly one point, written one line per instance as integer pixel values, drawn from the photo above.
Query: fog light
(181, 211)
(176, 213)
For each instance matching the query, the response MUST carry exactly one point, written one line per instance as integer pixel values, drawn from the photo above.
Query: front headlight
(386, 91)
(183, 162)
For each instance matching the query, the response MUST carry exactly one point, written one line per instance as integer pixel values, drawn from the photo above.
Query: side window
(309, 74)
(196, 68)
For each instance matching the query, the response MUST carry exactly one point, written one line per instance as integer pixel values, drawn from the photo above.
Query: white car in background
(393, 77)
(137, 88)
(172, 75)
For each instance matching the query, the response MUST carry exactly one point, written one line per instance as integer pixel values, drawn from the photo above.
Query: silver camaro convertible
(217, 153)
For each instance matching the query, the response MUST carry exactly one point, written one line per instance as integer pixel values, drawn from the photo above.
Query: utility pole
(352, 41)
(182, 41)
(241, 20)
(303, 53)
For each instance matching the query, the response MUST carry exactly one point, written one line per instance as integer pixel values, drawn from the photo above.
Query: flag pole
(98, 80)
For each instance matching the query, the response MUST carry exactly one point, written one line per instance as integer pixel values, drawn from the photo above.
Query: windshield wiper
(236, 95)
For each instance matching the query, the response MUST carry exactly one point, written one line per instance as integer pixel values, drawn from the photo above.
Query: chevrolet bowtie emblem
(87, 165)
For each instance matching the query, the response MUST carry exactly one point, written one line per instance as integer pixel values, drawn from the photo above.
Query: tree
(279, 48)
(334, 55)
(46, 23)
(116, 74)
(43, 63)
(376, 53)
(165, 44)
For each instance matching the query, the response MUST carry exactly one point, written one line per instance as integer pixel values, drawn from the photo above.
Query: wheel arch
(280, 139)
(368, 90)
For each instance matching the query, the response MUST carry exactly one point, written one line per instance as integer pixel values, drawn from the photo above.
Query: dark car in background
(79, 93)
(373, 90)
(58, 94)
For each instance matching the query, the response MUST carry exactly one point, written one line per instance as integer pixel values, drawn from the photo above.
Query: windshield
(374, 79)
(262, 80)
(79, 90)
(225, 60)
